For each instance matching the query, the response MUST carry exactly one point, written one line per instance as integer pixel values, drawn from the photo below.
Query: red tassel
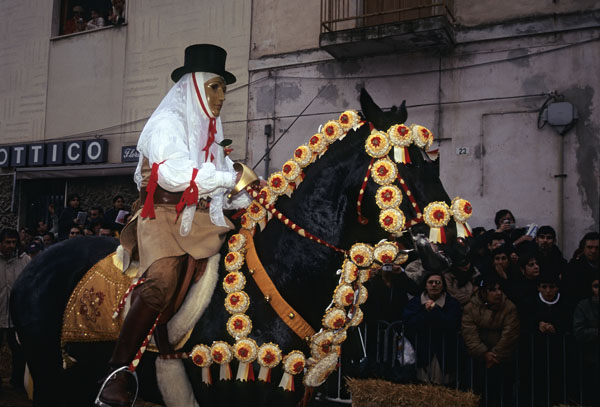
(189, 196)
(148, 209)
(443, 234)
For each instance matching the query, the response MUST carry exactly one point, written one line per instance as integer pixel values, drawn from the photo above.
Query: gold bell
(247, 178)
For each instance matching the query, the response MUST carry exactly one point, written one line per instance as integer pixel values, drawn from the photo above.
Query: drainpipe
(268, 131)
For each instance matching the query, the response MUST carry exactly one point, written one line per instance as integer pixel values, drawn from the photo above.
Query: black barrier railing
(544, 370)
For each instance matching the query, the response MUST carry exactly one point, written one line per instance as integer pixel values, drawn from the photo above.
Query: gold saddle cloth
(89, 313)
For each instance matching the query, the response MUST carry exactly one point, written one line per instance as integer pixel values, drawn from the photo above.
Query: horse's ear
(402, 113)
(371, 111)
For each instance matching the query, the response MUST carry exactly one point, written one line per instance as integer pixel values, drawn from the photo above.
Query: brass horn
(247, 178)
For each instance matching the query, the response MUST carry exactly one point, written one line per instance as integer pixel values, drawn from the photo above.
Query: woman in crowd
(431, 321)
(68, 216)
(490, 330)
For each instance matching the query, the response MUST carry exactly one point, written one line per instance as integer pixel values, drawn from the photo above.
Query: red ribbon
(189, 196)
(148, 210)
(212, 125)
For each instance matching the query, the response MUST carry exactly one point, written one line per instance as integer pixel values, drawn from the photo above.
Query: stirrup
(100, 403)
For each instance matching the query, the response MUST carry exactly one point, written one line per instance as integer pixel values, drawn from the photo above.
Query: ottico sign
(54, 153)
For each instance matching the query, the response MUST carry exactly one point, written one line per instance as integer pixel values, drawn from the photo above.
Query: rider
(183, 176)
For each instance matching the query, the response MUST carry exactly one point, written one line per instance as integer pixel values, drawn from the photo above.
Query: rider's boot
(138, 322)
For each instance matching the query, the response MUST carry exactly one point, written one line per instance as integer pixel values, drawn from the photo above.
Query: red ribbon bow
(189, 196)
(148, 210)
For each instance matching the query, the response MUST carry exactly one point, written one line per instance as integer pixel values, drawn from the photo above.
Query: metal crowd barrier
(545, 370)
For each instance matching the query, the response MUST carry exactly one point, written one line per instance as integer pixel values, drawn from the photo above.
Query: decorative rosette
(401, 259)
(201, 356)
(332, 131)
(422, 137)
(340, 337)
(239, 325)
(233, 261)
(349, 119)
(236, 242)
(437, 215)
(256, 212)
(401, 138)
(234, 281)
(361, 254)
(291, 170)
(349, 271)
(385, 252)
(384, 171)
(461, 211)
(317, 143)
(334, 318)
(293, 364)
(266, 196)
(245, 351)
(320, 371)
(221, 354)
(361, 294)
(246, 222)
(343, 296)
(277, 183)
(303, 156)
(356, 318)
(392, 220)
(377, 144)
(237, 302)
(269, 356)
(366, 274)
(388, 196)
(321, 344)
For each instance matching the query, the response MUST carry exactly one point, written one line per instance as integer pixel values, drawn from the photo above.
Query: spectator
(117, 13)
(460, 278)
(503, 268)
(580, 270)
(69, 216)
(41, 228)
(106, 230)
(505, 224)
(585, 328)
(112, 214)
(75, 231)
(76, 23)
(35, 248)
(53, 225)
(525, 287)
(12, 263)
(549, 255)
(490, 329)
(95, 214)
(95, 22)
(431, 321)
(48, 239)
(484, 245)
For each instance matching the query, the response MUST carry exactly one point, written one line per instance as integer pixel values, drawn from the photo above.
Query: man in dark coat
(582, 267)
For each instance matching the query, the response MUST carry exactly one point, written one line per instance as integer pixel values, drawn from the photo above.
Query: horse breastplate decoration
(360, 262)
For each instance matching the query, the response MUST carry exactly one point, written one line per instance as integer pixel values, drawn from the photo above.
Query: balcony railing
(338, 15)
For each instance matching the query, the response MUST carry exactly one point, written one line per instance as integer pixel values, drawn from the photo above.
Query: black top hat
(204, 58)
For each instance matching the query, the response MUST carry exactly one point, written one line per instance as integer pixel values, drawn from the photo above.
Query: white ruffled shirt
(176, 133)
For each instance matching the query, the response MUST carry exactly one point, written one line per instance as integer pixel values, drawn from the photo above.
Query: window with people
(85, 15)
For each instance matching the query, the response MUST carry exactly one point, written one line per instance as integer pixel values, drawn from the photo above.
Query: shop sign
(54, 153)
(130, 154)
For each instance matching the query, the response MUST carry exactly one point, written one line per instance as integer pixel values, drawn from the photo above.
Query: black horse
(304, 271)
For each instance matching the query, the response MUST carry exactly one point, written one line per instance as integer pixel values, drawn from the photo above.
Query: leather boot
(137, 324)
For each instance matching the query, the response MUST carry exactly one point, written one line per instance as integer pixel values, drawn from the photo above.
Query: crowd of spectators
(507, 288)
(99, 14)
(74, 221)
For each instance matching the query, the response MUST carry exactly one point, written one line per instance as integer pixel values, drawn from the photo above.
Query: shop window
(85, 15)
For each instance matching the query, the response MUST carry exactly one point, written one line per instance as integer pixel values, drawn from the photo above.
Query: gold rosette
(321, 344)
(291, 170)
(388, 196)
(233, 261)
(461, 211)
(377, 144)
(343, 295)
(384, 171)
(237, 302)
(349, 271)
(340, 337)
(234, 281)
(385, 252)
(361, 254)
(401, 259)
(221, 354)
(269, 356)
(239, 325)
(401, 137)
(356, 318)
(334, 318)
(293, 364)
(245, 351)
(437, 215)
(256, 212)
(266, 196)
(303, 156)
(392, 220)
(320, 371)
(246, 222)
(422, 137)
(200, 356)
(317, 143)
(236, 242)
(277, 183)
(361, 294)
(349, 119)
(331, 131)
(365, 275)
